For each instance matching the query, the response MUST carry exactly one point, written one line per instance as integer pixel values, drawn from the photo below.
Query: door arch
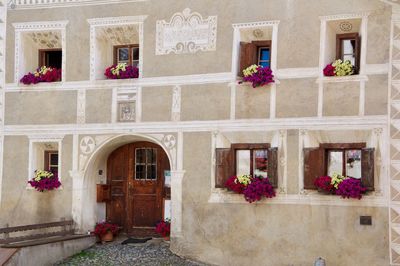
(135, 173)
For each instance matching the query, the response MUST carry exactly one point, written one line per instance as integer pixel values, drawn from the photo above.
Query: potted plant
(346, 187)
(339, 68)
(44, 180)
(121, 71)
(324, 185)
(252, 188)
(258, 75)
(105, 231)
(163, 228)
(42, 74)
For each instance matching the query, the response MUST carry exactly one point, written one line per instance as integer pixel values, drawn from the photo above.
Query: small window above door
(128, 54)
(50, 58)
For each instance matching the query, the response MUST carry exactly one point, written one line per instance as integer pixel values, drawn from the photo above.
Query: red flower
(324, 183)
(163, 228)
(329, 70)
(237, 187)
(104, 227)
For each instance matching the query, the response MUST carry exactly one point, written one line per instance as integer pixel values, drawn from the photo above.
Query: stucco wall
(98, 106)
(265, 234)
(20, 203)
(52, 107)
(157, 104)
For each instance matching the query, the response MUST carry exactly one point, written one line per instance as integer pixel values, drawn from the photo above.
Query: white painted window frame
(38, 26)
(96, 23)
(32, 159)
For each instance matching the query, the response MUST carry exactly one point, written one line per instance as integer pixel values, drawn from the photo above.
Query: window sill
(28, 187)
(308, 198)
(352, 78)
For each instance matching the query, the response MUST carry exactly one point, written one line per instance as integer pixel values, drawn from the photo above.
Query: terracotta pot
(108, 237)
(166, 238)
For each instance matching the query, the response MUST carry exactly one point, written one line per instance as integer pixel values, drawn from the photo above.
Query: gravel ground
(153, 253)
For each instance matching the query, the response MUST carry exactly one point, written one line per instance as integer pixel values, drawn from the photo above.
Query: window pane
(151, 172)
(135, 63)
(349, 46)
(53, 159)
(140, 172)
(353, 163)
(53, 59)
(351, 58)
(151, 156)
(335, 162)
(123, 54)
(260, 163)
(140, 156)
(264, 64)
(264, 54)
(243, 162)
(135, 53)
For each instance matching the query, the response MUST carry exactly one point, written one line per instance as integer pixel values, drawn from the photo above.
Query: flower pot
(166, 238)
(107, 237)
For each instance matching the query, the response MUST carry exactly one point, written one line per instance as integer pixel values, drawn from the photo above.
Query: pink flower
(329, 70)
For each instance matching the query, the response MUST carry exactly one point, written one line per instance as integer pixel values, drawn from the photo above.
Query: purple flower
(258, 188)
(262, 77)
(351, 188)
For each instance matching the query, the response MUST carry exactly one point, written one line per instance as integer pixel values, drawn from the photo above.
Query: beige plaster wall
(265, 234)
(205, 102)
(376, 95)
(157, 104)
(341, 99)
(21, 206)
(297, 98)
(47, 107)
(98, 106)
(299, 28)
(252, 102)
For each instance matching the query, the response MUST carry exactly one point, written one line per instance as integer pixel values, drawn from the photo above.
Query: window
(247, 159)
(146, 164)
(51, 161)
(348, 159)
(128, 54)
(50, 58)
(255, 52)
(348, 47)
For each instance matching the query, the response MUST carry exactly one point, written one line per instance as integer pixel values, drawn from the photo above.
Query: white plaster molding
(81, 107)
(310, 198)
(344, 16)
(248, 125)
(176, 103)
(176, 202)
(186, 32)
(352, 78)
(33, 27)
(361, 103)
(233, 101)
(39, 4)
(139, 102)
(96, 23)
(295, 73)
(87, 145)
(255, 24)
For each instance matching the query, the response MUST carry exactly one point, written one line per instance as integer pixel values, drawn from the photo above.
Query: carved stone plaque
(187, 32)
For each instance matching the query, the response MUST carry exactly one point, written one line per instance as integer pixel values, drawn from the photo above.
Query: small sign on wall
(167, 178)
(187, 32)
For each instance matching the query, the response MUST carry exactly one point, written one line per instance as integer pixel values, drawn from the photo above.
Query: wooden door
(137, 201)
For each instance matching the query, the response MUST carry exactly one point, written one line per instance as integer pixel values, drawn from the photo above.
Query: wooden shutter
(313, 166)
(248, 56)
(223, 167)
(358, 54)
(273, 166)
(367, 168)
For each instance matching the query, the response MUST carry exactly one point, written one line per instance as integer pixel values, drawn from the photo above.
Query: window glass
(260, 163)
(264, 56)
(335, 162)
(135, 53)
(353, 163)
(349, 48)
(53, 159)
(140, 172)
(123, 55)
(243, 162)
(146, 163)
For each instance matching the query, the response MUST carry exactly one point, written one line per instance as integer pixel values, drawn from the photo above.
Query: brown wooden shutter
(273, 166)
(367, 168)
(313, 166)
(223, 168)
(248, 56)
(358, 54)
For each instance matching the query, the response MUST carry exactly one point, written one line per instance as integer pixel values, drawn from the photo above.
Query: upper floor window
(50, 58)
(348, 47)
(51, 161)
(128, 54)
(348, 159)
(255, 52)
(258, 160)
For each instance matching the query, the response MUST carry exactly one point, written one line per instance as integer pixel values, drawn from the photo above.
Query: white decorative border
(39, 26)
(114, 21)
(39, 4)
(184, 20)
(44, 139)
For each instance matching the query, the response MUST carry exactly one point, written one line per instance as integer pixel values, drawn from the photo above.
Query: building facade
(135, 151)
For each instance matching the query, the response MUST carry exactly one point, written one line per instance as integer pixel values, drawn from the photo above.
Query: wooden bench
(60, 231)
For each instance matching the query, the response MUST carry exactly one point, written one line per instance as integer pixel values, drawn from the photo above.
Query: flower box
(339, 68)
(42, 74)
(252, 188)
(346, 187)
(44, 181)
(121, 71)
(105, 231)
(258, 75)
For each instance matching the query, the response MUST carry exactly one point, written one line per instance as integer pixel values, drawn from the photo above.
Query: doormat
(136, 240)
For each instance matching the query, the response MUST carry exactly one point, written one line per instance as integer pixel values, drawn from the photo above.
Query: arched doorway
(135, 174)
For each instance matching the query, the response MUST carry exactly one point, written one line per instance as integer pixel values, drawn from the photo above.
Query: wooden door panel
(145, 211)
